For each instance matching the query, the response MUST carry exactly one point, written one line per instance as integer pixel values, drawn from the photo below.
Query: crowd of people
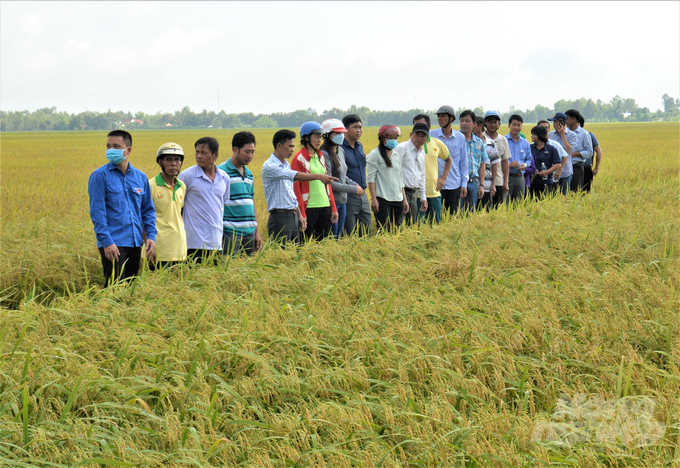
(208, 209)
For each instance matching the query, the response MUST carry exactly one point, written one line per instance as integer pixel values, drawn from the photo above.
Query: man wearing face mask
(122, 211)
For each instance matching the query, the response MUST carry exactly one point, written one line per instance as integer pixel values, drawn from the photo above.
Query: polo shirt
(239, 211)
(121, 208)
(435, 150)
(412, 166)
(520, 151)
(355, 158)
(389, 181)
(277, 182)
(204, 207)
(171, 239)
(458, 176)
(548, 156)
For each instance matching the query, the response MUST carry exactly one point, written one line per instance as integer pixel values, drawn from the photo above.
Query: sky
(266, 57)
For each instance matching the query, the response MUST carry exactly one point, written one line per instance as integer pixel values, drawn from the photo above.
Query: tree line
(49, 119)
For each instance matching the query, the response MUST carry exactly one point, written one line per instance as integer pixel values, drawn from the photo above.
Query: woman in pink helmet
(385, 180)
(333, 136)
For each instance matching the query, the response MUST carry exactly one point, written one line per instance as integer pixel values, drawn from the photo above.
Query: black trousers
(587, 178)
(577, 179)
(318, 223)
(200, 255)
(451, 200)
(390, 214)
(125, 268)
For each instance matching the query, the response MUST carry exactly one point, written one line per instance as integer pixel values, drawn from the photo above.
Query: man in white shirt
(413, 171)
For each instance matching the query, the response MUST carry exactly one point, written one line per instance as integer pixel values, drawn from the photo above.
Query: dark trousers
(318, 223)
(587, 178)
(125, 268)
(284, 226)
(390, 214)
(200, 255)
(413, 215)
(541, 191)
(517, 186)
(233, 244)
(577, 179)
(358, 217)
(451, 200)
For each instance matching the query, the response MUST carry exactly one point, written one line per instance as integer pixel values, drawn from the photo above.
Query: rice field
(541, 335)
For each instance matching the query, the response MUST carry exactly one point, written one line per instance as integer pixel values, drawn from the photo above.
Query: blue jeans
(470, 201)
(565, 182)
(337, 228)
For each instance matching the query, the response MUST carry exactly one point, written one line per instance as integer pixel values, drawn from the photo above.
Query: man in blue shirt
(589, 172)
(358, 217)
(520, 158)
(456, 183)
(122, 211)
(581, 149)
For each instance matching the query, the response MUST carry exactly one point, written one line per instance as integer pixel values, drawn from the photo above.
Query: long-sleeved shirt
(412, 166)
(389, 181)
(557, 139)
(204, 207)
(458, 176)
(344, 185)
(121, 207)
(593, 140)
(356, 162)
(277, 183)
(583, 145)
(568, 170)
(520, 151)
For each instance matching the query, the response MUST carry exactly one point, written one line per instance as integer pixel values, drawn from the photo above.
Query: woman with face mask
(333, 136)
(315, 200)
(385, 180)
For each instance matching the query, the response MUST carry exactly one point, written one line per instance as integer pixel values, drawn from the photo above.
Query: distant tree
(265, 122)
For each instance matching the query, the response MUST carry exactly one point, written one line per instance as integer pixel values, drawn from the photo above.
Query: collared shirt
(277, 181)
(389, 181)
(504, 153)
(435, 149)
(476, 154)
(239, 212)
(593, 139)
(583, 145)
(544, 159)
(412, 166)
(204, 207)
(121, 208)
(458, 176)
(171, 240)
(494, 159)
(568, 169)
(555, 138)
(355, 158)
(520, 151)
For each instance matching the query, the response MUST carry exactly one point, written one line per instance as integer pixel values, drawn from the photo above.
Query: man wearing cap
(121, 211)
(565, 138)
(241, 232)
(413, 172)
(477, 161)
(520, 158)
(492, 122)
(456, 182)
(167, 192)
(435, 150)
(207, 190)
(581, 149)
(589, 172)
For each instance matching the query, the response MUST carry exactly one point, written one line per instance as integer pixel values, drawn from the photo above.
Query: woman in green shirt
(385, 180)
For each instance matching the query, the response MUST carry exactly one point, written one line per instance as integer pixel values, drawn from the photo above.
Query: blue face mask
(115, 155)
(338, 139)
(391, 144)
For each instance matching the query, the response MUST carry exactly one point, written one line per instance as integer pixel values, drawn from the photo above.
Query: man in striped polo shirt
(240, 218)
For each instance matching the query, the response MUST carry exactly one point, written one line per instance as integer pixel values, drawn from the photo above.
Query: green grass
(441, 346)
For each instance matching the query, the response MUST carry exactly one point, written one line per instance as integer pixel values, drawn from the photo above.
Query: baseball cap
(559, 116)
(421, 127)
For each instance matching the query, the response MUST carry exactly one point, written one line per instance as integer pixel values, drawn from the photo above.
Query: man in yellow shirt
(168, 193)
(434, 150)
